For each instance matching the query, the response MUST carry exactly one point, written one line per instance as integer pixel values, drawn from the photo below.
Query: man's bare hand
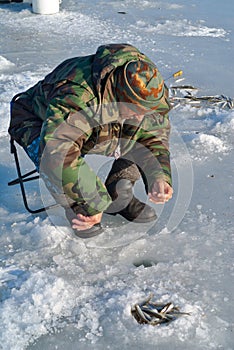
(85, 222)
(161, 192)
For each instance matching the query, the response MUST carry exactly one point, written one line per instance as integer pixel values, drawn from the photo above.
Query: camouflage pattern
(75, 111)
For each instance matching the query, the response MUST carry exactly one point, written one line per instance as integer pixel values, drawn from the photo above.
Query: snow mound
(5, 64)
(210, 144)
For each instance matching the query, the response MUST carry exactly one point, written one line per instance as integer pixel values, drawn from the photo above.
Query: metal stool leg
(24, 178)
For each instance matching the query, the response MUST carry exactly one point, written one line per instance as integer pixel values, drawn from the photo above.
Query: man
(113, 103)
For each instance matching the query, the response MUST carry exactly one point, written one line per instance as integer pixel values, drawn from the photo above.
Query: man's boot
(119, 184)
(71, 213)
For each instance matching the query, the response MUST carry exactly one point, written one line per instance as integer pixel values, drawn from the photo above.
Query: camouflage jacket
(74, 110)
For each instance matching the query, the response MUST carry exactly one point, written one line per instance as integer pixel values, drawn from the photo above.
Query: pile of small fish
(152, 313)
(184, 94)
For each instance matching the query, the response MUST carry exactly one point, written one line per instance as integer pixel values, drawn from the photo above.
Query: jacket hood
(106, 60)
(108, 57)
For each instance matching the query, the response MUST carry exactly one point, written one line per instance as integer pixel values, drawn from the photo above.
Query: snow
(183, 28)
(61, 292)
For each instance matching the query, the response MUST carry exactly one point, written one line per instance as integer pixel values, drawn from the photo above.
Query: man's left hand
(161, 192)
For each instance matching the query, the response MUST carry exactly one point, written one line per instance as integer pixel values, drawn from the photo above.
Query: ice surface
(60, 292)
